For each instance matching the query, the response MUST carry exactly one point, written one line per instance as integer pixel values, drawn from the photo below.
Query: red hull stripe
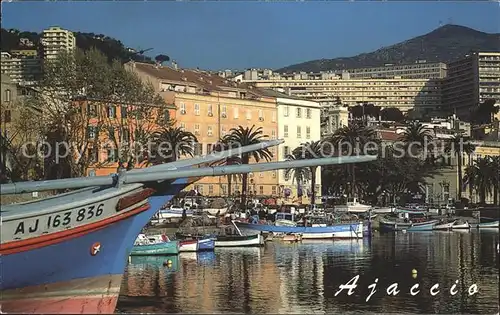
(58, 237)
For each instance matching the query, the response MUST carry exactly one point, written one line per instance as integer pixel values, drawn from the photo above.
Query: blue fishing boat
(347, 230)
(391, 226)
(67, 253)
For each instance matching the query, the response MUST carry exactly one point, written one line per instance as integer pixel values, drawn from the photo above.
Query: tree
(309, 150)
(495, 167)
(162, 58)
(242, 136)
(171, 143)
(416, 133)
(481, 177)
(457, 146)
(300, 175)
(74, 94)
(483, 113)
(352, 140)
(225, 144)
(392, 114)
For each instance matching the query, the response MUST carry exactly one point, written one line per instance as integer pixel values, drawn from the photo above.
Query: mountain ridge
(444, 44)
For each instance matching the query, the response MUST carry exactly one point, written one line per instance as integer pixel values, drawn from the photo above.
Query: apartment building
(420, 94)
(418, 70)
(25, 70)
(333, 117)
(209, 106)
(56, 39)
(470, 81)
(298, 122)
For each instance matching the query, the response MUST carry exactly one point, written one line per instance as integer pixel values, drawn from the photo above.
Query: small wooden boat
(188, 246)
(239, 241)
(424, 226)
(145, 246)
(461, 226)
(489, 225)
(444, 226)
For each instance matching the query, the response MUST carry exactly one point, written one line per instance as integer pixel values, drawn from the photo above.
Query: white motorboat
(352, 205)
(461, 226)
(444, 226)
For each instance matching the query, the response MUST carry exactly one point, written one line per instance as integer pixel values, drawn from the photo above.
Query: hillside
(447, 43)
(111, 47)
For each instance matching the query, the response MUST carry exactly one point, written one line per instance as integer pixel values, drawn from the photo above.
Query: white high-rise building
(56, 39)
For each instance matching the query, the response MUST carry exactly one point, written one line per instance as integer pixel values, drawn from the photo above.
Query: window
(248, 114)
(224, 189)
(273, 119)
(261, 190)
(273, 190)
(209, 148)
(236, 114)
(183, 108)
(126, 135)
(7, 95)
(299, 132)
(112, 155)
(210, 189)
(308, 113)
(224, 111)
(93, 155)
(308, 132)
(261, 114)
(286, 111)
(273, 134)
(285, 131)
(92, 110)
(223, 130)
(111, 111)
(286, 152)
(196, 129)
(299, 112)
(210, 110)
(210, 131)
(166, 115)
(197, 109)
(183, 126)
(92, 132)
(124, 111)
(7, 116)
(261, 174)
(197, 148)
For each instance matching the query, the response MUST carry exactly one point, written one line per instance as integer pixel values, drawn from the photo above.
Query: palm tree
(355, 137)
(310, 150)
(457, 146)
(299, 174)
(247, 136)
(495, 167)
(170, 143)
(481, 176)
(416, 133)
(225, 144)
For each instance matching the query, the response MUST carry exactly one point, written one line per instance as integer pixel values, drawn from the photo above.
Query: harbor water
(305, 277)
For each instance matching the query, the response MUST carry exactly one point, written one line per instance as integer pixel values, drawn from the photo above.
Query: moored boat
(461, 226)
(352, 205)
(489, 225)
(444, 226)
(347, 230)
(146, 247)
(424, 226)
(188, 245)
(239, 240)
(206, 244)
(67, 253)
(408, 226)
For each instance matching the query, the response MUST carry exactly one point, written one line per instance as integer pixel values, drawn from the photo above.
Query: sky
(240, 34)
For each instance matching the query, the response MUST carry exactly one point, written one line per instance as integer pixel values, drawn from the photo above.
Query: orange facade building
(209, 106)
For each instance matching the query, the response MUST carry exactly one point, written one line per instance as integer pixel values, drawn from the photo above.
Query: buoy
(414, 273)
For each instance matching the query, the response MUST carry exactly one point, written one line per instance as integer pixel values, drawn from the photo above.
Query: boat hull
(444, 227)
(188, 246)
(94, 260)
(240, 241)
(206, 244)
(428, 226)
(489, 225)
(350, 230)
(165, 248)
(465, 226)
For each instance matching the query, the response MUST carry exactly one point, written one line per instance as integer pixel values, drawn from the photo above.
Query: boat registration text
(62, 220)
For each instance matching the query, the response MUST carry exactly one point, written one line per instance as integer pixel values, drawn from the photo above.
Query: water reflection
(303, 278)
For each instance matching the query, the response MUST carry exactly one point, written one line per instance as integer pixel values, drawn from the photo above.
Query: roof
(201, 79)
(388, 135)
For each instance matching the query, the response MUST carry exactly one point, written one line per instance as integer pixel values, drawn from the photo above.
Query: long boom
(144, 177)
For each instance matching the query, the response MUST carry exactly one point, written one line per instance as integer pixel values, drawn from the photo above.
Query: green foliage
(171, 143)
